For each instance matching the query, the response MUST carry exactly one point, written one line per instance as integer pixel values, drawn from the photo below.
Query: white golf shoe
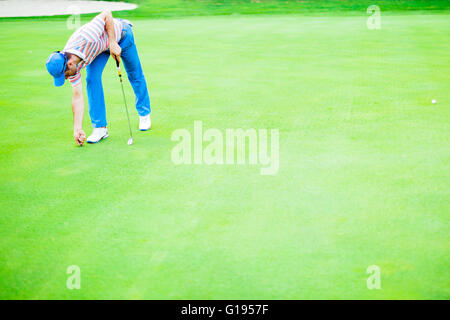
(97, 135)
(145, 123)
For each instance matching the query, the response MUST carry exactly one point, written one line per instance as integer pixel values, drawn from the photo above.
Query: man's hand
(115, 50)
(79, 136)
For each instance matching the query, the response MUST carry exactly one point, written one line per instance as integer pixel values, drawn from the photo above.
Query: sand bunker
(29, 8)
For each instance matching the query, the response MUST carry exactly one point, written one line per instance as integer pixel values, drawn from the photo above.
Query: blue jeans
(130, 58)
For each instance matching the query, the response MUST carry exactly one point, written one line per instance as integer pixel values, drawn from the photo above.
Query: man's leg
(135, 73)
(96, 98)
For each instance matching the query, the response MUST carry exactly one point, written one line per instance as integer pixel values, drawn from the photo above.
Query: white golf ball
(433, 101)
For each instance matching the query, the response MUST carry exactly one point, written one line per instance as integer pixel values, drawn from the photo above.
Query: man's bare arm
(78, 111)
(114, 47)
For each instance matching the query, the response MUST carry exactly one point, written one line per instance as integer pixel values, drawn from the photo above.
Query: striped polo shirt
(88, 42)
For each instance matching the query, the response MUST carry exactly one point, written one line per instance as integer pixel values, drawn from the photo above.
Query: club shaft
(126, 107)
(123, 94)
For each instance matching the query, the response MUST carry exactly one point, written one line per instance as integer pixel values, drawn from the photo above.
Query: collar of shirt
(76, 52)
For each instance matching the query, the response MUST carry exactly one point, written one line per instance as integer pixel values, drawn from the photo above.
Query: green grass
(176, 8)
(363, 178)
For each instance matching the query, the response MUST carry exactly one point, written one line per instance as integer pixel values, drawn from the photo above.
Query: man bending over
(90, 47)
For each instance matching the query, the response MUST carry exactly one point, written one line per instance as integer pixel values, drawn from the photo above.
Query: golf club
(130, 141)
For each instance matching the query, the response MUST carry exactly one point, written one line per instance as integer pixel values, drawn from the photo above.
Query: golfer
(90, 47)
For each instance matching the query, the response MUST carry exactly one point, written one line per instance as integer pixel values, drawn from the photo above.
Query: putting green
(363, 177)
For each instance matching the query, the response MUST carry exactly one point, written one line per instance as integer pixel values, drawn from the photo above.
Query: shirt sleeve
(75, 79)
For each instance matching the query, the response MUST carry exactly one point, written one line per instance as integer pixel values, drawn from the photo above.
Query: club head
(130, 141)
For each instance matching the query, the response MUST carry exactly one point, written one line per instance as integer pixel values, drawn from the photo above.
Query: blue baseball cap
(56, 66)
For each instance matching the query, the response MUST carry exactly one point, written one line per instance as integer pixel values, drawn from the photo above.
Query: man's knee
(93, 79)
(136, 76)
